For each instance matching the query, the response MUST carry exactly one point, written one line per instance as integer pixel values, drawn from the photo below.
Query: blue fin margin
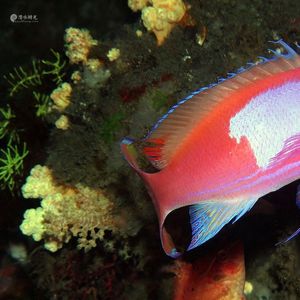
(289, 238)
(209, 217)
(298, 196)
(298, 230)
(290, 52)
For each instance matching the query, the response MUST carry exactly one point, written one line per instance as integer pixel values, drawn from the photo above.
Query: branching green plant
(7, 131)
(38, 80)
(20, 78)
(11, 165)
(55, 68)
(43, 104)
(6, 115)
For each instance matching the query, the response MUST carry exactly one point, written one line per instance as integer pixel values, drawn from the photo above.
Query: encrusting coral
(159, 16)
(65, 212)
(113, 54)
(62, 122)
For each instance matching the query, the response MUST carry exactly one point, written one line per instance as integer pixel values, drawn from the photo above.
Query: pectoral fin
(209, 217)
(289, 238)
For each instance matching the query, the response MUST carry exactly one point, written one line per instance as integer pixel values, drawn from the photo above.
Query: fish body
(223, 147)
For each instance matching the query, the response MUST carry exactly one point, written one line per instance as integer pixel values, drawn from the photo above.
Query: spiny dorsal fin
(170, 131)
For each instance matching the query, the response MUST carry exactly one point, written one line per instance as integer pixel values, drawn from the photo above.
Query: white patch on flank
(268, 120)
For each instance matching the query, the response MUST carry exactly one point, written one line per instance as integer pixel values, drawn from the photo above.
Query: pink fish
(224, 146)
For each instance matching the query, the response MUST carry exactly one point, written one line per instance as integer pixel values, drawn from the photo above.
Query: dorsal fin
(169, 132)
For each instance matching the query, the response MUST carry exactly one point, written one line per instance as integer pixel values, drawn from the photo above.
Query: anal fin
(207, 218)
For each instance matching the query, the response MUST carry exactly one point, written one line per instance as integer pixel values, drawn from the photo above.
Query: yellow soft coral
(78, 43)
(136, 5)
(61, 96)
(113, 54)
(160, 16)
(33, 223)
(62, 123)
(65, 212)
(39, 184)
